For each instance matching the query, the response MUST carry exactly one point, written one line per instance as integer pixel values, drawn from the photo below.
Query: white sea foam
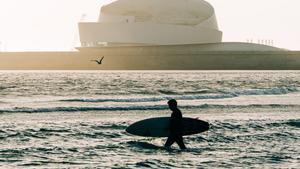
(78, 119)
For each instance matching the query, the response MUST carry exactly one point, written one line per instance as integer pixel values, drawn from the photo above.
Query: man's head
(172, 104)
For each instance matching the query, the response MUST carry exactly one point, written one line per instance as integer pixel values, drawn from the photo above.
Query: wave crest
(137, 108)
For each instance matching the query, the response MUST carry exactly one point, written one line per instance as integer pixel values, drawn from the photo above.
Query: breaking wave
(270, 91)
(150, 99)
(140, 108)
(223, 94)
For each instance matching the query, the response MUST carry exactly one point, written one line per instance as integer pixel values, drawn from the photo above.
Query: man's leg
(179, 141)
(169, 141)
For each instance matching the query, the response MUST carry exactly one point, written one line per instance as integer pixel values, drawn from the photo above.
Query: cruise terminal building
(170, 34)
(156, 35)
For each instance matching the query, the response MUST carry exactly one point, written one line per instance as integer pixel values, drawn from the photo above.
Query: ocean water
(77, 119)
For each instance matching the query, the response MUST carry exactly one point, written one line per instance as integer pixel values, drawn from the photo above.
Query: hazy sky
(52, 24)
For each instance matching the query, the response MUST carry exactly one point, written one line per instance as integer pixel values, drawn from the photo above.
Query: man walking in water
(175, 126)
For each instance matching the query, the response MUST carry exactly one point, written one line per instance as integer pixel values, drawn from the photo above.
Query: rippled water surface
(77, 119)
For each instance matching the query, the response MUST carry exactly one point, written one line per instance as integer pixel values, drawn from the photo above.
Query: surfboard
(159, 127)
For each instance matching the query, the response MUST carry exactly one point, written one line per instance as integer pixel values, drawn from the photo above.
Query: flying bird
(98, 61)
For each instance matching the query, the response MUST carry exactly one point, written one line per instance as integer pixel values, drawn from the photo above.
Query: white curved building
(156, 35)
(170, 35)
(152, 22)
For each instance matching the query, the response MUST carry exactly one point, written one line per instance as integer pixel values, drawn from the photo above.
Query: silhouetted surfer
(175, 126)
(98, 61)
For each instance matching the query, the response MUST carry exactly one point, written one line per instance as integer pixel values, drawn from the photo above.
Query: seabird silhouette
(98, 61)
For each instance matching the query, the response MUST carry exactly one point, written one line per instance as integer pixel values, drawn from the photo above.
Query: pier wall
(151, 58)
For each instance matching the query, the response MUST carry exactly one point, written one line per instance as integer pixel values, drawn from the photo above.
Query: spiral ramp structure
(152, 22)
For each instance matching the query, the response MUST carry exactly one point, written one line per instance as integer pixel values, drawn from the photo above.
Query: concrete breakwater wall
(151, 58)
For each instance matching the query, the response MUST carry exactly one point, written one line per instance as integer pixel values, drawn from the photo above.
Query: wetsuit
(175, 130)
